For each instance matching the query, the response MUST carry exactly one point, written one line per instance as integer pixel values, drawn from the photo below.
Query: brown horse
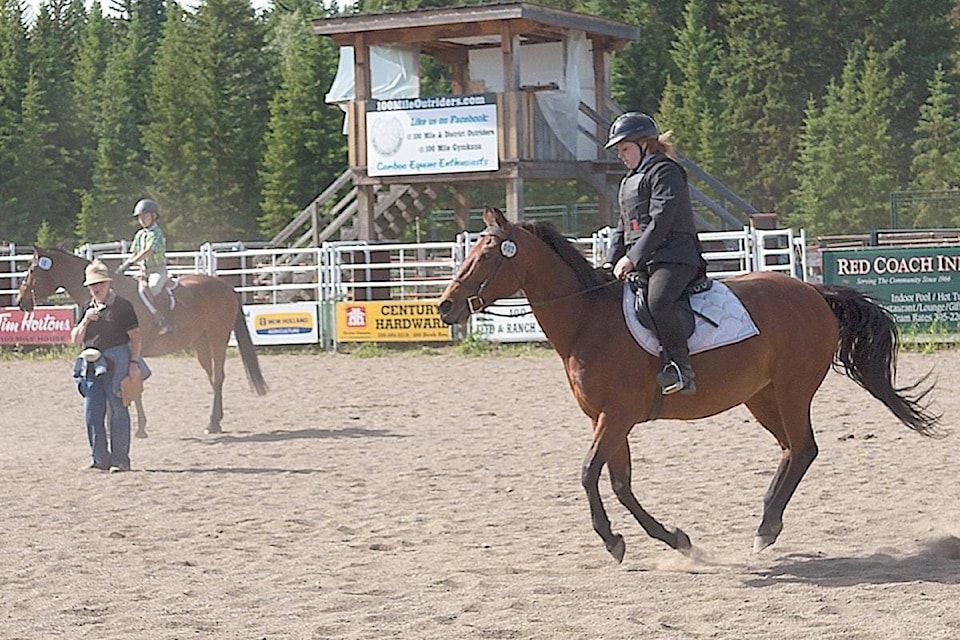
(804, 329)
(207, 310)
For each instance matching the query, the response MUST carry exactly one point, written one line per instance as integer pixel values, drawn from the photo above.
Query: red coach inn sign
(43, 325)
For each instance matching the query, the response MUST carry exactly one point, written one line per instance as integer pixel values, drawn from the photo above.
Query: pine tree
(52, 49)
(758, 108)
(212, 186)
(119, 174)
(936, 160)
(846, 163)
(180, 108)
(14, 67)
(691, 105)
(86, 88)
(37, 190)
(305, 147)
(916, 35)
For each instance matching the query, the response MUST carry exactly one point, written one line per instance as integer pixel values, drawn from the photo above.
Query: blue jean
(99, 394)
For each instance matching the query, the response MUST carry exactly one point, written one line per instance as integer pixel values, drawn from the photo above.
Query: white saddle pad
(718, 303)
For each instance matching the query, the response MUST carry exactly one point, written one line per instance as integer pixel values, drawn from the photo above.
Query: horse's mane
(59, 249)
(588, 276)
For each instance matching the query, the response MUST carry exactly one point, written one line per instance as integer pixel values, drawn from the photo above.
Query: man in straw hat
(110, 335)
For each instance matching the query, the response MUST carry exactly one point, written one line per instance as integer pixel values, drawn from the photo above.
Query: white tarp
(569, 65)
(394, 73)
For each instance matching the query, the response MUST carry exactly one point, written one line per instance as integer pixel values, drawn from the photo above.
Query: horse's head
(488, 273)
(45, 275)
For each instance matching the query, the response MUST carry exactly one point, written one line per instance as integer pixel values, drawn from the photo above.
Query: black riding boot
(677, 373)
(162, 305)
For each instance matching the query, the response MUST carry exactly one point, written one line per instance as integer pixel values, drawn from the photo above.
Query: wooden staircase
(331, 215)
(397, 207)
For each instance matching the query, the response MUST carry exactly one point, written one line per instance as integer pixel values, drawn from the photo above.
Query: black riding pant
(666, 285)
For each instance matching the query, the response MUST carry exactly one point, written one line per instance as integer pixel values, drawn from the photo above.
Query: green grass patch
(39, 353)
(472, 346)
(934, 337)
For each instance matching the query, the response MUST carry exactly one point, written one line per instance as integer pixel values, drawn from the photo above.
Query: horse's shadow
(313, 433)
(938, 562)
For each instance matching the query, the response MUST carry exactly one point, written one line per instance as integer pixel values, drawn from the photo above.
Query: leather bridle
(475, 302)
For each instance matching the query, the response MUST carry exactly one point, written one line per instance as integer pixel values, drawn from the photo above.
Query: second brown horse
(207, 310)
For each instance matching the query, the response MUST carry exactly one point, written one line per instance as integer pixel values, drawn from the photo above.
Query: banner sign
(920, 287)
(507, 321)
(291, 323)
(43, 325)
(390, 321)
(445, 134)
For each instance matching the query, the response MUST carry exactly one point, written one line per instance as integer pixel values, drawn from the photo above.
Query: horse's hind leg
(620, 478)
(214, 368)
(788, 419)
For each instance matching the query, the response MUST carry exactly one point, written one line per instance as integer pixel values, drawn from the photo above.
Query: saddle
(716, 318)
(688, 317)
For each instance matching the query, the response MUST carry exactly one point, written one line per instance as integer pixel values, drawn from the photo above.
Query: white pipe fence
(347, 271)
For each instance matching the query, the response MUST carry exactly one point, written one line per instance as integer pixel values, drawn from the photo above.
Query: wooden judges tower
(545, 70)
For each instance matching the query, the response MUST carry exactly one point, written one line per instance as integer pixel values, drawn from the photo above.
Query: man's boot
(677, 374)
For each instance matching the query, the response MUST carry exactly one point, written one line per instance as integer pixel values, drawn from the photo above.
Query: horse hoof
(762, 542)
(618, 549)
(212, 430)
(141, 434)
(682, 544)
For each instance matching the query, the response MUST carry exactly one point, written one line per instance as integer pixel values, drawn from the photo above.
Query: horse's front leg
(605, 439)
(620, 477)
(141, 419)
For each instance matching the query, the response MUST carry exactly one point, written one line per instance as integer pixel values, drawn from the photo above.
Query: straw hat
(96, 272)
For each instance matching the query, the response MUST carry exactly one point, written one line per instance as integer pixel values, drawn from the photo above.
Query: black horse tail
(867, 353)
(248, 353)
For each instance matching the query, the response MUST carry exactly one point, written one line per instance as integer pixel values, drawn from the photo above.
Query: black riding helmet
(146, 205)
(632, 125)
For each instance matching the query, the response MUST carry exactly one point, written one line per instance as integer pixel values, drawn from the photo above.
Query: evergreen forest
(816, 110)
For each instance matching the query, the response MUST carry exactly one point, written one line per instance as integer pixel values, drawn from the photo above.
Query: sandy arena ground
(438, 497)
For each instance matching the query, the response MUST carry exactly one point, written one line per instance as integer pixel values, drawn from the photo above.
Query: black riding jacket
(656, 216)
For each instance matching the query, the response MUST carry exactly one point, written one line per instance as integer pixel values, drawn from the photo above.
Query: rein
(542, 303)
(508, 249)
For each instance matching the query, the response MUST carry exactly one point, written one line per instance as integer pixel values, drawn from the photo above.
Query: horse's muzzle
(25, 300)
(449, 312)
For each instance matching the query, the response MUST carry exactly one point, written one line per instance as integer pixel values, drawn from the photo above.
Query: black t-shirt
(110, 330)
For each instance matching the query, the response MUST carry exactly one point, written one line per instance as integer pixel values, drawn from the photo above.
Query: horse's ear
(493, 217)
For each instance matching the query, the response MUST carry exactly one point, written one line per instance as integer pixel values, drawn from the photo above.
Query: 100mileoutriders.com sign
(444, 134)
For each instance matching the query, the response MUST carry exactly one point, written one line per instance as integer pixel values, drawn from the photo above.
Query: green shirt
(151, 238)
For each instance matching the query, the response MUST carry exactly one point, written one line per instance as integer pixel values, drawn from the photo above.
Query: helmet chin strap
(643, 153)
